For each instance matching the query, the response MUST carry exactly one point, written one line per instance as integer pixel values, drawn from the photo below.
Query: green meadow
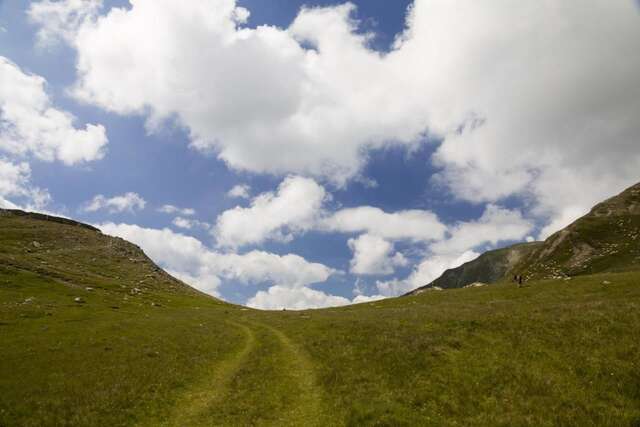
(92, 333)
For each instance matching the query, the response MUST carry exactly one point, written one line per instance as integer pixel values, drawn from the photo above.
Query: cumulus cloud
(539, 99)
(189, 223)
(182, 222)
(494, 226)
(424, 273)
(550, 99)
(463, 243)
(367, 298)
(416, 225)
(240, 191)
(15, 183)
(14, 177)
(565, 217)
(59, 20)
(374, 255)
(298, 206)
(129, 202)
(293, 208)
(171, 209)
(255, 95)
(201, 280)
(193, 262)
(279, 297)
(29, 124)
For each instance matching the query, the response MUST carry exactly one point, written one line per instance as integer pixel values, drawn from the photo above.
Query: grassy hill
(606, 239)
(141, 348)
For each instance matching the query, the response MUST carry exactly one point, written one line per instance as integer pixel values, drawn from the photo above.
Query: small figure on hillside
(518, 279)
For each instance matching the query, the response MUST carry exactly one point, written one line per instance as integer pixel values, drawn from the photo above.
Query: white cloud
(203, 281)
(240, 191)
(367, 298)
(30, 124)
(59, 20)
(521, 95)
(182, 223)
(171, 209)
(424, 273)
(129, 202)
(15, 183)
(564, 217)
(188, 223)
(494, 226)
(551, 92)
(256, 96)
(203, 268)
(374, 255)
(279, 297)
(417, 225)
(14, 178)
(298, 206)
(293, 208)
(7, 204)
(289, 270)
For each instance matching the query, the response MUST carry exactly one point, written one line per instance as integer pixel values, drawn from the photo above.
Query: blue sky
(372, 138)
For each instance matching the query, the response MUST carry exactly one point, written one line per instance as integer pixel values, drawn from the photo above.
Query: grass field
(552, 353)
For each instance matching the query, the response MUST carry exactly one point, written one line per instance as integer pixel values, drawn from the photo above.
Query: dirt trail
(308, 411)
(290, 372)
(213, 387)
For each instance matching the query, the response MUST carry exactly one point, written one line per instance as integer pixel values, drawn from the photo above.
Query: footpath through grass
(552, 353)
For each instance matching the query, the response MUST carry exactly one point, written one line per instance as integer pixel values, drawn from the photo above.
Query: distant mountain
(607, 239)
(490, 267)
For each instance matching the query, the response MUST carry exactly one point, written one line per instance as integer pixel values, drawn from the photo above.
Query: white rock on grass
(476, 285)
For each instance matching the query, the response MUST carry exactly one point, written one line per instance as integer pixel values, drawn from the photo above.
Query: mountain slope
(490, 267)
(607, 239)
(79, 256)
